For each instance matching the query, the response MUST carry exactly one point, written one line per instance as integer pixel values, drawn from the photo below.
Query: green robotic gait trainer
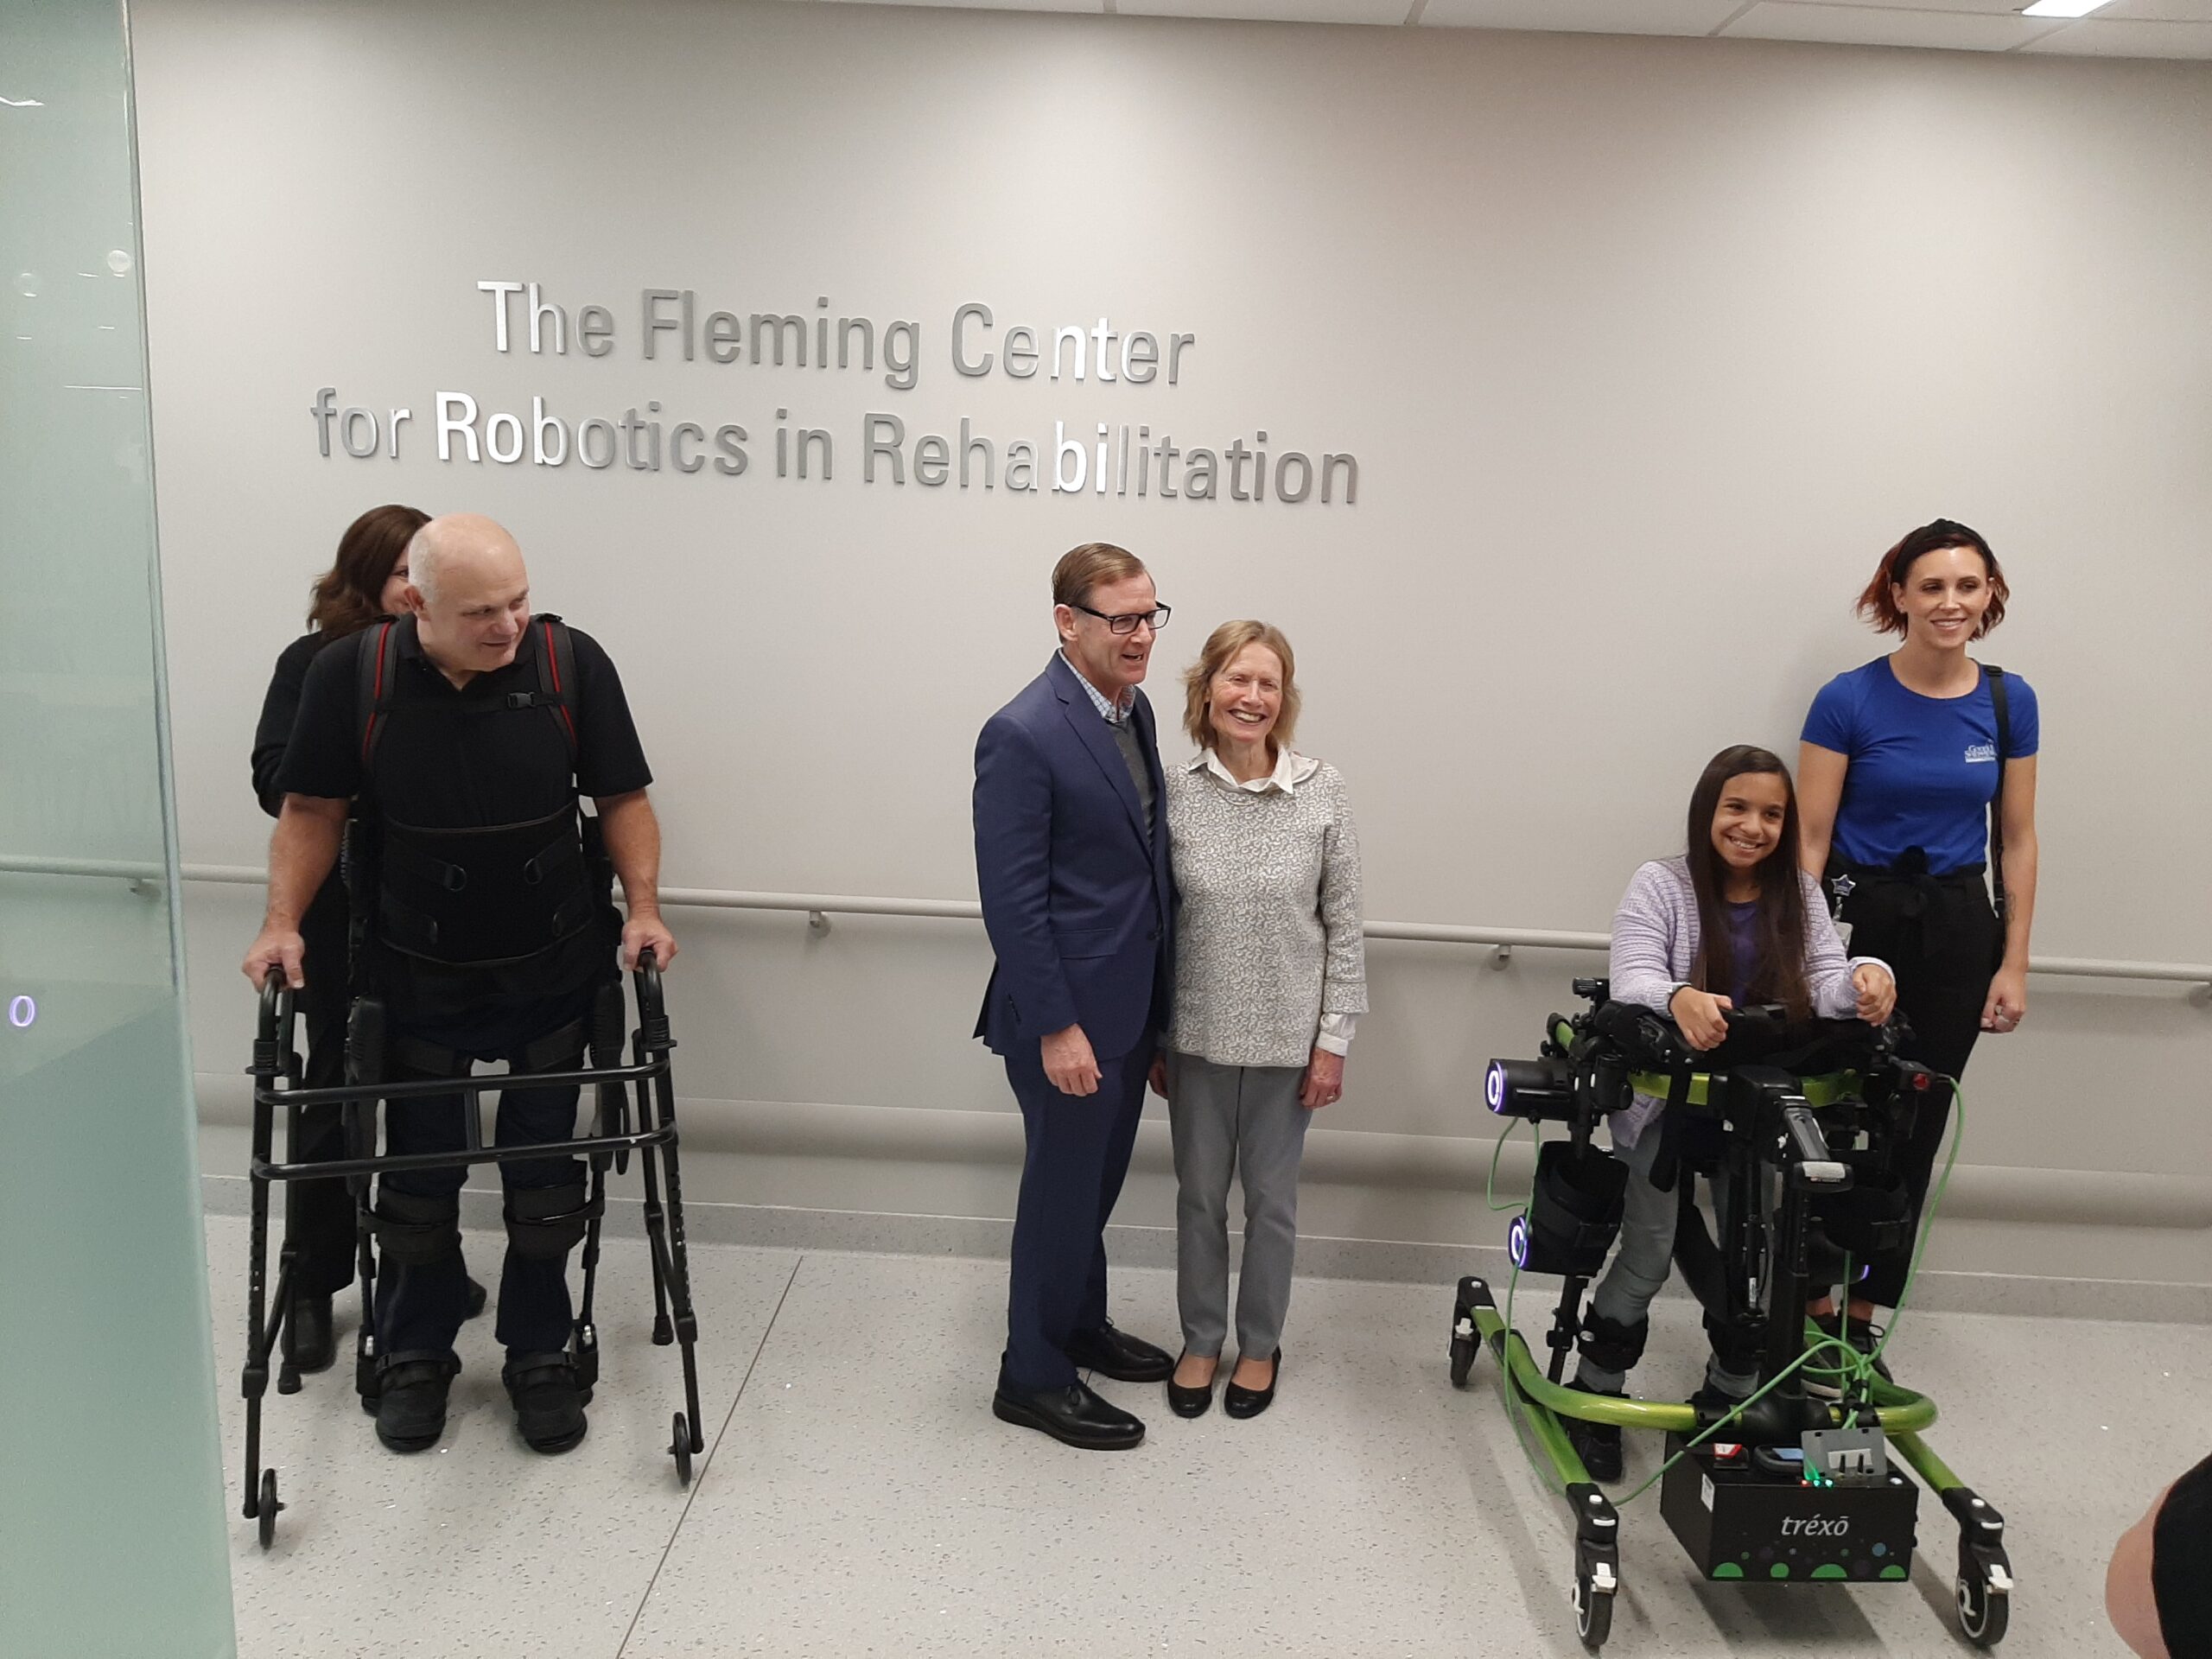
(1795, 1130)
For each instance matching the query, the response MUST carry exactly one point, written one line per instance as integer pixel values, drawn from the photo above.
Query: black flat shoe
(309, 1345)
(1190, 1402)
(412, 1399)
(549, 1404)
(1073, 1415)
(1251, 1402)
(1119, 1355)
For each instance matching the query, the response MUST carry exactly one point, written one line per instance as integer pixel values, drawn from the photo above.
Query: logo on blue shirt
(1981, 752)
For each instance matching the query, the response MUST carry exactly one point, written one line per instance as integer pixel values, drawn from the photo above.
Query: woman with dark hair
(1919, 776)
(1730, 924)
(367, 580)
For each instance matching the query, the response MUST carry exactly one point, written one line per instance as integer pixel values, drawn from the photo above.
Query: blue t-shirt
(1923, 770)
(1743, 935)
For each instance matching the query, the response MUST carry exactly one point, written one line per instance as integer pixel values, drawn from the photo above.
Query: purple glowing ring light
(1494, 1086)
(1517, 1241)
(21, 1012)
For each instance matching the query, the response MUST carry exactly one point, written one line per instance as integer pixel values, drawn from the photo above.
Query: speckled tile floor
(857, 1497)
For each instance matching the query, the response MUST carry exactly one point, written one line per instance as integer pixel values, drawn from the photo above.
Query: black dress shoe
(549, 1403)
(1190, 1402)
(1251, 1402)
(477, 1297)
(1073, 1415)
(308, 1344)
(1119, 1355)
(412, 1399)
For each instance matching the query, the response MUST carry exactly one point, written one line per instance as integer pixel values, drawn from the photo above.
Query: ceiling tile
(2158, 11)
(1093, 6)
(1585, 17)
(1391, 12)
(1862, 25)
(1989, 8)
(2099, 37)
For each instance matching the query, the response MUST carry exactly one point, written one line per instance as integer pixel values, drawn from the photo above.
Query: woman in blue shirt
(1898, 784)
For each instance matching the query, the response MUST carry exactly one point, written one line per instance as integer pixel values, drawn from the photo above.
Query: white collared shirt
(1291, 769)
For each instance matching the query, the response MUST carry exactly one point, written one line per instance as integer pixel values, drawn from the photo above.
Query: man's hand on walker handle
(1068, 1062)
(278, 948)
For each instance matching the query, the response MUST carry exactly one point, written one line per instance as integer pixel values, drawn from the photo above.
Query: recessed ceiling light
(2063, 7)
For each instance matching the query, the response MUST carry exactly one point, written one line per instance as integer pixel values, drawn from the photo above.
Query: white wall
(1647, 349)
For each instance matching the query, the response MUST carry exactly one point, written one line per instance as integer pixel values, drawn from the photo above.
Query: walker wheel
(1593, 1613)
(266, 1509)
(1463, 1360)
(1982, 1611)
(679, 1447)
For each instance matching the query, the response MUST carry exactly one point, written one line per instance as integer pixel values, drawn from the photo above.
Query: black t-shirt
(442, 769)
(2181, 1565)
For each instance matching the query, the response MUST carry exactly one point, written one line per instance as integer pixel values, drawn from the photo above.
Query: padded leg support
(545, 1222)
(415, 1230)
(1610, 1345)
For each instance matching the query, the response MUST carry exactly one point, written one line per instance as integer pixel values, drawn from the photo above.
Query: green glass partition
(111, 1526)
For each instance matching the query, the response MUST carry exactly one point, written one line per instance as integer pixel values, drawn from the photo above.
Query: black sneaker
(1824, 1374)
(1598, 1445)
(411, 1399)
(549, 1403)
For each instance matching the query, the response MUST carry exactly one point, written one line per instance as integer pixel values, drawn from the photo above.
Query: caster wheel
(1463, 1360)
(1594, 1615)
(1982, 1611)
(680, 1448)
(266, 1511)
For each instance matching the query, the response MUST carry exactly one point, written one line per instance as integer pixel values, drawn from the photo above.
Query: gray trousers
(1642, 1262)
(1244, 1121)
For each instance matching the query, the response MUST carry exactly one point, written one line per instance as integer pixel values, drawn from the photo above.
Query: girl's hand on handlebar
(1877, 993)
(1697, 1014)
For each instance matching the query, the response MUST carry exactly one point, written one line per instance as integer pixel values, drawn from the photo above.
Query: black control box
(1740, 1523)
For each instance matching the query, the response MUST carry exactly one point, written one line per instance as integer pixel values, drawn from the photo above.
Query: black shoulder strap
(377, 665)
(556, 676)
(1996, 678)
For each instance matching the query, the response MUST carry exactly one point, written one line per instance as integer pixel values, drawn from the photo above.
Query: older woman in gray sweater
(1270, 971)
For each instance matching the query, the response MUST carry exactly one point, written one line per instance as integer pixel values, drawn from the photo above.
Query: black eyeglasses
(1155, 618)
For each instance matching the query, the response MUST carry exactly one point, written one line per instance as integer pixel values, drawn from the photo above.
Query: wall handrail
(818, 908)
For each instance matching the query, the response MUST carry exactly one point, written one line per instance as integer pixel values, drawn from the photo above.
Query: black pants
(319, 1214)
(420, 1306)
(1941, 939)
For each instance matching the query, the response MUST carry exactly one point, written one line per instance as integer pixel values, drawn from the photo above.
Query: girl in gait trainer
(1730, 924)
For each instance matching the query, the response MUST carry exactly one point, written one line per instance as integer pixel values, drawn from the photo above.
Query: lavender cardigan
(1656, 942)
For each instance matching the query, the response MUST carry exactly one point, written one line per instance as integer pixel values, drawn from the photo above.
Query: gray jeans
(1642, 1262)
(1244, 1121)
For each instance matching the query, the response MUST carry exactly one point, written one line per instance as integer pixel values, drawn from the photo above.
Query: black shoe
(1190, 1402)
(1598, 1445)
(1119, 1355)
(477, 1297)
(411, 1399)
(1251, 1402)
(1824, 1373)
(549, 1404)
(309, 1345)
(1711, 1402)
(1073, 1415)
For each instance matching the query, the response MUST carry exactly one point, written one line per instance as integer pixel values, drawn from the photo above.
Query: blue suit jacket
(1079, 908)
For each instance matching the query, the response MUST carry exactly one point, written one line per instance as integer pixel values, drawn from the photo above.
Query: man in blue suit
(1071, 860)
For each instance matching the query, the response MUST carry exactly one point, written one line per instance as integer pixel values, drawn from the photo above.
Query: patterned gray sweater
(1269, 936)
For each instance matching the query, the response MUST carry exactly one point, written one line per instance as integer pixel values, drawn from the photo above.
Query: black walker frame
(276, 1072)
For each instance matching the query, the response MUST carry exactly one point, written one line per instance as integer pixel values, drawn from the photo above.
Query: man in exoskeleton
(461, 738)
